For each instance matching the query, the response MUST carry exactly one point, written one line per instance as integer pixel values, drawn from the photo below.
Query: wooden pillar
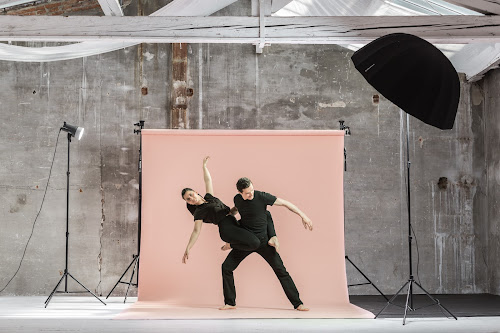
(179, 114)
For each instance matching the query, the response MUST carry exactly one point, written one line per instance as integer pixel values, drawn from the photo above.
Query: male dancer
(252, 207)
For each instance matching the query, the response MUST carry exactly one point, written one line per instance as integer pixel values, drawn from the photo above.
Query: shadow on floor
(476, 305)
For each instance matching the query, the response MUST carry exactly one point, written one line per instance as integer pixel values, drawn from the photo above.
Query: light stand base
(409, 300)
(65, 275)
(135, 261)
(367, 279)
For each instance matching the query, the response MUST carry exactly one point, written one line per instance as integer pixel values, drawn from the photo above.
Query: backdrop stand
(367, 279)
(135, 257)
(66, 271)
(411, 281)
(347, 131)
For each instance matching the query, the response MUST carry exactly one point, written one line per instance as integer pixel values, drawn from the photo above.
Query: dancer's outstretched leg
(233, 259)
(274, 260)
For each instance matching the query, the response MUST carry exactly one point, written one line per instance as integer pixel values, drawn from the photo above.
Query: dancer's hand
(185, 257)
(307, 223)
(233, 211)
(205, 160)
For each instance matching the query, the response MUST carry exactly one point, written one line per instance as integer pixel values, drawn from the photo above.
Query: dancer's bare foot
(273, 241)
(301, 307)
(227, 307)
(226, 247)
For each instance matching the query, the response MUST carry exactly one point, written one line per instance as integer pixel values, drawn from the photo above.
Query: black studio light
(416, 76)
(75, 131)
(413, 74)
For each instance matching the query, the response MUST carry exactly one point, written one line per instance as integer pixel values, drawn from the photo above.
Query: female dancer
(209, 209)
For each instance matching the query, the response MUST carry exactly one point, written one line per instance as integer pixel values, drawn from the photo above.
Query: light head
(74, 131)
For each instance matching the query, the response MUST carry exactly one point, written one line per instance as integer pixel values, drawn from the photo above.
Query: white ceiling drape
(471, 59)
(85, 49)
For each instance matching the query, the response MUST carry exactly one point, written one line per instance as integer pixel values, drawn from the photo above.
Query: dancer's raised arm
(207, 178)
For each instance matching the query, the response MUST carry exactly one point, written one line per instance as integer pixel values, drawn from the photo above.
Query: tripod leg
(86, 289)
(131, 277)
(381, 293)
(120, 279)
(373, 284)
(392, 299)
(54, 291)
(435, 300)
(407, 300)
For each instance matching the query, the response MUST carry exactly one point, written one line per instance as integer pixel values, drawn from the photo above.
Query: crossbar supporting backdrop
(303, 167)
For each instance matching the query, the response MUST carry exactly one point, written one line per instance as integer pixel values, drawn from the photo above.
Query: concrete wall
(286, 87)
(489, 89)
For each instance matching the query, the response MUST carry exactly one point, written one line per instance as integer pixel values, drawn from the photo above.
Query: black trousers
(235, 257)
(240, 238)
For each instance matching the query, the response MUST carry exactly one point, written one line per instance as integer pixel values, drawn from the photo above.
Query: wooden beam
(111, 7)
(481, 6)
(217, 29)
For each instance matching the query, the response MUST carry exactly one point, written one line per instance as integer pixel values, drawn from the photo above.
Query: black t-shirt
(253, 212)
(213, 211)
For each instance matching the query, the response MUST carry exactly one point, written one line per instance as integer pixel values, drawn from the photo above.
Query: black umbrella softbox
(414, 75)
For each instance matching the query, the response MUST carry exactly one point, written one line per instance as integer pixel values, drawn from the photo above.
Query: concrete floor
(86, 314)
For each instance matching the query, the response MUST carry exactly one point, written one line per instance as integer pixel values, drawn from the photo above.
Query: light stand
(77, 132)
(347, 131)
(411, 281)
(135, 257)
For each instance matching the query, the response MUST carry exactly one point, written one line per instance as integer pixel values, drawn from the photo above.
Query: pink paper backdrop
(303, 167)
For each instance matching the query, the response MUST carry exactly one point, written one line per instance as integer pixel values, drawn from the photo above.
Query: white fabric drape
(471, 59)
(85, 49)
